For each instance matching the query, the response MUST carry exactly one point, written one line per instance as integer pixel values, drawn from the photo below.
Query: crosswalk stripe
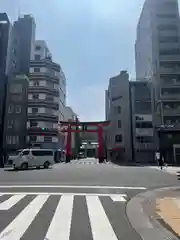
(100, 225)
(19, 225)
(9, 203)
(118, 198)
(61, 222)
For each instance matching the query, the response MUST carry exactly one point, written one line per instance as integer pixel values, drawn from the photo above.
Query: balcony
(44, 76)
(45, 63)
(42, 131)
(43, 89)
(43, 116)
(43, 103)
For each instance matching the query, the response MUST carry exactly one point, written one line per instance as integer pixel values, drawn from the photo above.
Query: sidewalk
(168, 211)
(158, 214)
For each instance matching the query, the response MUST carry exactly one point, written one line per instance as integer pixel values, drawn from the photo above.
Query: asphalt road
(80, 200)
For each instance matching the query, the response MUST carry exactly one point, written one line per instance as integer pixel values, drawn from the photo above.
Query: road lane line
(61, 222)
(100, 225)
(72, 186)
(64, 194)
(16, 229)
(9, 203)
(118, 198)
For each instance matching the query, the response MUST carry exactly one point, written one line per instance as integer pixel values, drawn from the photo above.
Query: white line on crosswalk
(19, 225)
(100, 225)
(66, 194)
(61, 222)
(118, 198)
(72, 186)
(9, 203)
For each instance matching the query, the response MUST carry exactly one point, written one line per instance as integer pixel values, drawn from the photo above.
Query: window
(166, 15)
(37, 57)
(13, 64)
(35, 83)
(119, 123)
(118, 138)
(165, 27)
(144, 125)
(10, 123)
(12, 139)
(144, 139)
(47, 139)
(42, 153)
(119, 109)
(18, 109)
(38, 47)
(33, 138)
(10, 109)
(35, 96)
(37, 69)
(169, 51)
(164, 39)
(26, 152)
(33, 124)
(34, 110)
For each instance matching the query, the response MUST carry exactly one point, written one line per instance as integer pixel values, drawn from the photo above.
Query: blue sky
(92, 40)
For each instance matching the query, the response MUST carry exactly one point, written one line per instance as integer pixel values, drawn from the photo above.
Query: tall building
(143, 144)
(20, 45)
(4, 38)
(24, 28)
(157, 51)
(46, 98)
(118, 113)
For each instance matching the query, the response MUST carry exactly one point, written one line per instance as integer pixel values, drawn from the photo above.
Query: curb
(147, 227)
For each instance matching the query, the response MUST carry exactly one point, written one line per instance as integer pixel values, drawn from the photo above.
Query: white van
(33, 158)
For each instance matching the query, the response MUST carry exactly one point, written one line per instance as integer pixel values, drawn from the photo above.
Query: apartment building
(157, 51)
(46, 98)
(117, 107)
(20, 42)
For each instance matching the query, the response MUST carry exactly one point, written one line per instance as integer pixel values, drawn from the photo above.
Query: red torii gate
(84, 127)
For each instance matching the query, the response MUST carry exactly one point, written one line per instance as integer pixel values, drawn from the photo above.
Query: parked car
(32, 158)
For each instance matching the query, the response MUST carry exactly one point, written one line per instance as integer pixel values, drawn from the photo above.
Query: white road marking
(118, 198)
(72, 186)
(19, 225)
(64, 194)
(100, 225)
(9, 203)
(61, 222)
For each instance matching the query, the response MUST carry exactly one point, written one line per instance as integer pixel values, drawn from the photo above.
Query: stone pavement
(168, 211)
(158, 214)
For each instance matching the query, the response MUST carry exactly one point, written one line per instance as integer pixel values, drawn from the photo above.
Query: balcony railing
(38, 102)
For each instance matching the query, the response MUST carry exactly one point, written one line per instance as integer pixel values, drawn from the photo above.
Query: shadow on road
(23, 170)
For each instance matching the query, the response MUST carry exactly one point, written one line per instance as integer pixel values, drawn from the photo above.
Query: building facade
(143, 144)
(21, 40)
(15, 125)
(46, 98)
(157, 51)
(117, 101)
